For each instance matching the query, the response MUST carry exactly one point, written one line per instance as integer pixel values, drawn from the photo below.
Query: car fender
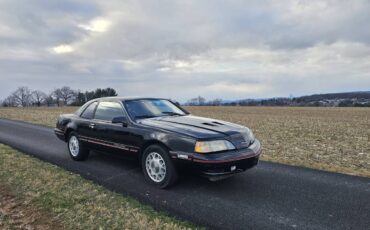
(169, 140)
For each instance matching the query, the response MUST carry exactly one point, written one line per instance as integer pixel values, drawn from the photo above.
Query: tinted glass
(89, 111)
(108, 110)
(146, 108)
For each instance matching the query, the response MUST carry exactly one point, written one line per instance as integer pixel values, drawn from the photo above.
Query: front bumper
(221, 164)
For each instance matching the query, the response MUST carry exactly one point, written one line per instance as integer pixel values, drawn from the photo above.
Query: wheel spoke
(74, 146)
(155, 166)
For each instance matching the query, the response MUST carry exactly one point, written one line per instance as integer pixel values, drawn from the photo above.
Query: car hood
(197, 127)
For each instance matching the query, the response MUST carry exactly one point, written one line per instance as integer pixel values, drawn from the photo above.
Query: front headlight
(213, 146)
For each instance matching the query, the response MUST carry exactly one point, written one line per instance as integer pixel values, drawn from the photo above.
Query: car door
(113, 136)
(85, 125)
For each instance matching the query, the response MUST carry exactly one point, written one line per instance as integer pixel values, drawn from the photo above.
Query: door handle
(92, 125)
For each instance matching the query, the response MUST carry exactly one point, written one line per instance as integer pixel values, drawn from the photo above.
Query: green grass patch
(73, 201)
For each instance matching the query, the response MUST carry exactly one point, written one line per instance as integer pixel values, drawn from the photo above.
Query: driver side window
(108, 110)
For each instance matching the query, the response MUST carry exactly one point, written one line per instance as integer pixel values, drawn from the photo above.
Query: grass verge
(38, 195)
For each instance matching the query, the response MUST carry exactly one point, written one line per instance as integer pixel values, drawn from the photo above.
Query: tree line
(200, 101)
(24, 97)
(351, 99)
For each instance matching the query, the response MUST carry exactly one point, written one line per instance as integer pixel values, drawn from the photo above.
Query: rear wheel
(157, 166)
(76, 149)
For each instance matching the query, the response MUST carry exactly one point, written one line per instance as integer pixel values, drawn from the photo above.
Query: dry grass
(332, 139)
(43, 115)
(37, 195)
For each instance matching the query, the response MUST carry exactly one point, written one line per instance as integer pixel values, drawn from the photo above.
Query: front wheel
(76, 149)
(157, 166)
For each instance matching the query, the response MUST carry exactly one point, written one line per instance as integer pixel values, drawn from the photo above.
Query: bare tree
(9, 101)
(192, 101)
(22, 96)
(66, 94)
(197, 101)
(49, 99)
(57, 94)
(38, 97)
(201, 100)
(215, 102)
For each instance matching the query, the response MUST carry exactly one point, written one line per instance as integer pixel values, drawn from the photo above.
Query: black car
(162, 134)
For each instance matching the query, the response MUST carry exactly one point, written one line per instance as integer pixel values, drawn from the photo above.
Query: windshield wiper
(144, 116)
(173, 113)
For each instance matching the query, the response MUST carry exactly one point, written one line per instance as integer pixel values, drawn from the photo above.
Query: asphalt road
(270, 196)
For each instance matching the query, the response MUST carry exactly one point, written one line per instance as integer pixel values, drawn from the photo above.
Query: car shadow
(188, 180)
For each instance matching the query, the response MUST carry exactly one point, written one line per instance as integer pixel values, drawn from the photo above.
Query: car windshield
(148, 108)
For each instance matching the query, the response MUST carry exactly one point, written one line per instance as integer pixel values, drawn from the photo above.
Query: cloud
(96, 25)
(233, 49)
(61, 49)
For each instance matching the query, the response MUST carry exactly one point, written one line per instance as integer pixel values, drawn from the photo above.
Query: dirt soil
(19, 214)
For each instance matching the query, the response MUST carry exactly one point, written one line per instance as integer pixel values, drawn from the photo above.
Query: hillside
(355, 99)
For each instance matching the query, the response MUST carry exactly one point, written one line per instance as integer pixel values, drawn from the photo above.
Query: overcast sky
(181, 49)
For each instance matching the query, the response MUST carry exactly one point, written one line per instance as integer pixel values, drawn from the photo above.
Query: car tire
(77, 150)
(158, 167)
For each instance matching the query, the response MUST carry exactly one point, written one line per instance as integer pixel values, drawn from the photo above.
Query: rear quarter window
(88, 113)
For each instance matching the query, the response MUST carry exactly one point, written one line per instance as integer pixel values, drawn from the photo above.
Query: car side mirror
(122, 120)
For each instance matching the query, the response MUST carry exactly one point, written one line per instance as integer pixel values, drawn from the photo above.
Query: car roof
(128, 98)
